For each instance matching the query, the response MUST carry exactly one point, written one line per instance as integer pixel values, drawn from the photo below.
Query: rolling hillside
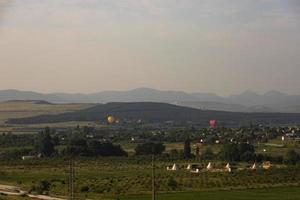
(161, 112)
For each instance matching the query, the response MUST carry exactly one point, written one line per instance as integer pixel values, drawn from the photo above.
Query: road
(17, 191)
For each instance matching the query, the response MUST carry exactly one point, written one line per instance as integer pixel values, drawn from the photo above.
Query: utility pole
(71, 178)
(153, 179)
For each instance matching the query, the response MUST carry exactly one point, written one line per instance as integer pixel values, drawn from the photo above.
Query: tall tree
(187, 149)
(44, 144)
(150, 148)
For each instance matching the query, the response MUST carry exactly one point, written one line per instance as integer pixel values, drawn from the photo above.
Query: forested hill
(160, 112)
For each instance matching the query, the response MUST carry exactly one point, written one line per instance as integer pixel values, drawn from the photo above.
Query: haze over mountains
(248, 101)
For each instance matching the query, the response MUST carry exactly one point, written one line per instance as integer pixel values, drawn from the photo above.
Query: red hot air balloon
(213, 123)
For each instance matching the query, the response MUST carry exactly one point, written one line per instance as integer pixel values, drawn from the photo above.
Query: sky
(218, 46)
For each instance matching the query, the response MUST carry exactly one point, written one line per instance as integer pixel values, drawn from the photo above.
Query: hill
(161, 112)
(248, 101)
(22, 109)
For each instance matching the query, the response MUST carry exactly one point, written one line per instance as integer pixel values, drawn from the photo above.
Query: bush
(84, 188)
(172, 183)
(150, 148)
(292, 157)
(41, 187)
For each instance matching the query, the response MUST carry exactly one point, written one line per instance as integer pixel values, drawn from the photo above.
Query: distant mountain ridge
(272, 101)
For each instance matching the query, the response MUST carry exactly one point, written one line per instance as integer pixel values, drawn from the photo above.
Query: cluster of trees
(246, 152)
(150, 148)
(79, 146)
(238, 152)
(292, 157)
(157, 148)
(13, 140)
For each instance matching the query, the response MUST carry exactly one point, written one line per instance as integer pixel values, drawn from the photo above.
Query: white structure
(228, 167)
(173, 168)
(209, 166)
(254, 166)
(189, 167)
(196, 171)
(28, 157)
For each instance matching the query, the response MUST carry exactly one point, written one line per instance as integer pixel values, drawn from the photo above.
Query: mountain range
(272, 101)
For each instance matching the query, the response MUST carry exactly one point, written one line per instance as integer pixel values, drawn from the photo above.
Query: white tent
(209, 166)
(189, 167)
(254, 166)
(174, 168)
(227, 166)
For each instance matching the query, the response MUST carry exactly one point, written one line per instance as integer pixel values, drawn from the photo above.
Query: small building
(28, 157)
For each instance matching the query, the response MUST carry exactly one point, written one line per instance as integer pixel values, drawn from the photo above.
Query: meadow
(20, 109)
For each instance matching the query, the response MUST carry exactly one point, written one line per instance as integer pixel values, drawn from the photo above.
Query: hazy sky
(220, 46)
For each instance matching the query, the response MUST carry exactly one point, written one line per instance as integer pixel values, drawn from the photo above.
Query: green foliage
(41, 187)
(238, 152)
(292, 157)
(150, 148)
(13, 140)
(187, 149)
(172, 183)
(79, 146)
(44, 143)
(207, 154)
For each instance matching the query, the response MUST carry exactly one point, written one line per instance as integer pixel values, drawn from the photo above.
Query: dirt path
(16, 191)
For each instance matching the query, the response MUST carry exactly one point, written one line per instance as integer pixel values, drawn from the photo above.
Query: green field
(108, 177)
(292, 193)
(20, 109)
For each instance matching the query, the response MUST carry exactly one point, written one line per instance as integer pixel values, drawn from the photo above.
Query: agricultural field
(111, 177)
(20, 109)
(291, 193)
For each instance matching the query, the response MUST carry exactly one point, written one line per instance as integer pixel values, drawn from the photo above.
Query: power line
(71, 179)
(153, 179)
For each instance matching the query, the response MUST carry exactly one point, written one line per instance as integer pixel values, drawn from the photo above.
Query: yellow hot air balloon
(110, 119)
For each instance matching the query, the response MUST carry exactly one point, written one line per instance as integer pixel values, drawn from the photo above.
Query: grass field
(26, 109)
(21, 109)
(281, 193)
(106, 177)
(292, 193)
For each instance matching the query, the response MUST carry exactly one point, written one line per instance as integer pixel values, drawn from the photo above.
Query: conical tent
(254, 166)
(209, 166)
(174, 168)
(189, 167)
(227, 166)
